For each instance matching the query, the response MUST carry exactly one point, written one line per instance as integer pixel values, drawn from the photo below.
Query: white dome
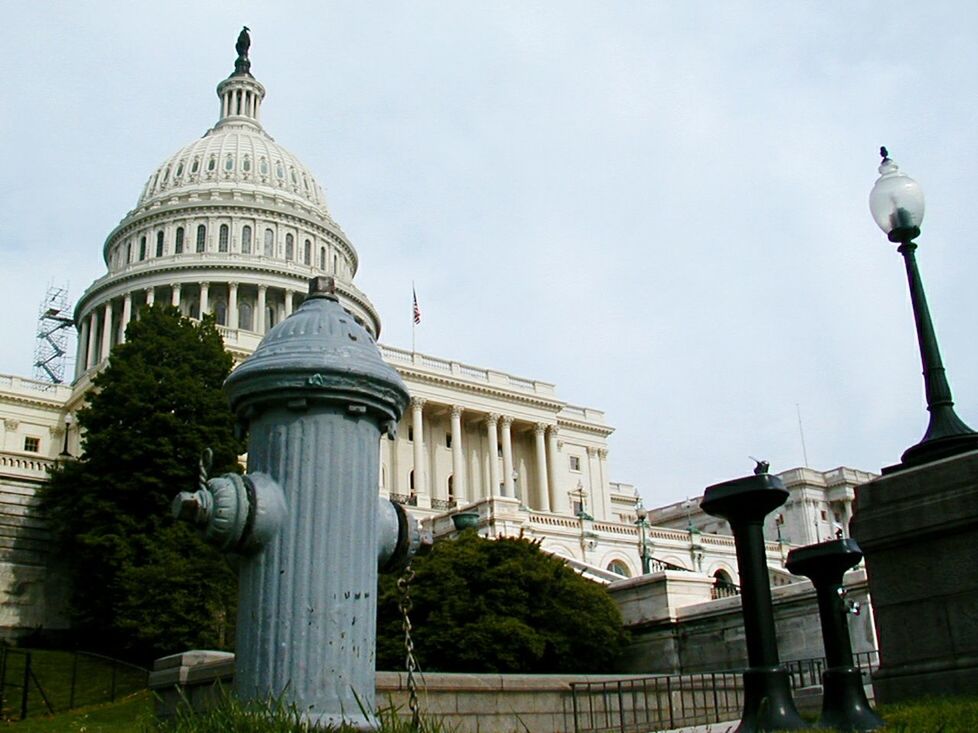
(236, 154)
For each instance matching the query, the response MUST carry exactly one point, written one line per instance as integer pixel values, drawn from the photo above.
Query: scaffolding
(54, 324)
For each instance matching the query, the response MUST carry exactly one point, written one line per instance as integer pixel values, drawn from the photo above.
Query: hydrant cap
(320, 352)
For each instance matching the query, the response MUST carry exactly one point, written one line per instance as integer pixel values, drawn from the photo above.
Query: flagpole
(414, 321)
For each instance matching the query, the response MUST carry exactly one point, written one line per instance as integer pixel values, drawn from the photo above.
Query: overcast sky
(659, 207)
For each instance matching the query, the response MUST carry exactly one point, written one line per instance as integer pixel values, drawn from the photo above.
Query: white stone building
(235, 225)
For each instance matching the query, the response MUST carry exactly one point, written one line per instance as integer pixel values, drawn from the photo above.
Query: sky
(659, 207)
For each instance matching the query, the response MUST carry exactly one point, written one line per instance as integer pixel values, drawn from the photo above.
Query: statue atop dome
(242, 64)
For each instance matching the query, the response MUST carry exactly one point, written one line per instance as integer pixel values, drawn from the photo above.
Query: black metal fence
(38, 682)
(663, 702)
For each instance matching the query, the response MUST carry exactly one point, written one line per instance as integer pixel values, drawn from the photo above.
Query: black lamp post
(643, 523)
(65, 453)
(897, 205)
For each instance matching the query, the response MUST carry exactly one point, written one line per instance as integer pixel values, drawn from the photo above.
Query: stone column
(558, 498)
(81, 360)
(126, 315)
(204, 298)
(288, 303)
(505, 424)
(457, 462)
(175, 296)
(260, 307)
(543, 492)
(233, 305)
(417, 427)
(491, 422)
(106, 330)
(92, 343)
(150, 296)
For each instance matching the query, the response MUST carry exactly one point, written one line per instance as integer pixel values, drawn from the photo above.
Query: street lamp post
(897, 204)
(643, 524)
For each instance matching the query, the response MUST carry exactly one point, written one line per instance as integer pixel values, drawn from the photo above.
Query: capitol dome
(232, 224)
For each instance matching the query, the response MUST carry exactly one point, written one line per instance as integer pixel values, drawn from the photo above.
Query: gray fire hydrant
(306, 519)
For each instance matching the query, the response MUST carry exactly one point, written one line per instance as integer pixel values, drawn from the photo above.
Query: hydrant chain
(410, 663)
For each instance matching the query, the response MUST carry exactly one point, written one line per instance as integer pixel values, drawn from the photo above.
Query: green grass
(94, 680)
(130, 715)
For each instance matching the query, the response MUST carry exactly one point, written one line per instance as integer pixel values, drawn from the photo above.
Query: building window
(229, 164)
(195, 166)
(201, 237)
(307, 253)
(221, 313)
(159, 244)
(575, 463)
(32, 445)
(410, 435)
(128, 252)
(269, 243)
(222, 238)
(269, 317)
(279, 169)
(322, 258)
(263, 167)
(825, 516)
(178, 245)
(451, 488)
(244, 316)
(448, 440)
(142, 248)
(246, 164)
(619, 568)
(335, 264)
(212, 163)
(246, 239)
(289, 247)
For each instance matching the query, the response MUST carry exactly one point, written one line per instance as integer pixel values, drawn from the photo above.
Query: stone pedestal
(918, 529)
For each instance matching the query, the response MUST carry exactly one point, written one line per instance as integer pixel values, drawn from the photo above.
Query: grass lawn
(130, 715)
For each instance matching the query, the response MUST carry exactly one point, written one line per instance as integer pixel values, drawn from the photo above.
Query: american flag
(417, 310)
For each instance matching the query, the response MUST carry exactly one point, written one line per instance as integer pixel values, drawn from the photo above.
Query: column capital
(592, 451)
(492, 418)
(417, 403)
(506, 421)
(457, 411)
(602, 453)
(262, 288)
(554, 431)
(540, 428)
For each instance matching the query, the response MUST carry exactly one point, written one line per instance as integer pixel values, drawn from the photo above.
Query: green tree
(143, 584)
(499, 606)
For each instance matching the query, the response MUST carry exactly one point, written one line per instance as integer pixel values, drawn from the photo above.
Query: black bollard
(844, 703)
(744, 502)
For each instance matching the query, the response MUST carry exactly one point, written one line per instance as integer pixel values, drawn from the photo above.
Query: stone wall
(708, 636)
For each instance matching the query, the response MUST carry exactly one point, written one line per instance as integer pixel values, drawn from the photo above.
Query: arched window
(322, 258)
(289, 247)
(246, 239)
(723, 585)
(222, 238)
(269, 317)
(411, 482)
(279, 169)
(229, 164)
(336, 263)
(201, 237)
(619, 568)
(178, 245)
(246, 164)
(307, 253)
(159, 243)
(142, 248)
(244, 316)
(128, 252)
(263, 167)
(195, 166)
(269, 243)
(212, 163)
(221, 313)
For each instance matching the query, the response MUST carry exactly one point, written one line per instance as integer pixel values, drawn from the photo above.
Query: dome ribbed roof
(236, 154)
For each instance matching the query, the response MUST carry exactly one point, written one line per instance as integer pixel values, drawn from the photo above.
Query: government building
(234, 225)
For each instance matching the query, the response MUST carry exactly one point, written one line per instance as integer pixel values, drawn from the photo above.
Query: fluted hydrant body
(315, 397)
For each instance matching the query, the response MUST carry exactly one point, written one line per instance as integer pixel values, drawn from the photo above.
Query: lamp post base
(844, 703)
(768, 705)
(934, 449)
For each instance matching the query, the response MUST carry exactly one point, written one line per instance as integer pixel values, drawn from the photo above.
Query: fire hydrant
(307, 520)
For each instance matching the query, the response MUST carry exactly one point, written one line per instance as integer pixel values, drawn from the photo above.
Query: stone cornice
(483, 389)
